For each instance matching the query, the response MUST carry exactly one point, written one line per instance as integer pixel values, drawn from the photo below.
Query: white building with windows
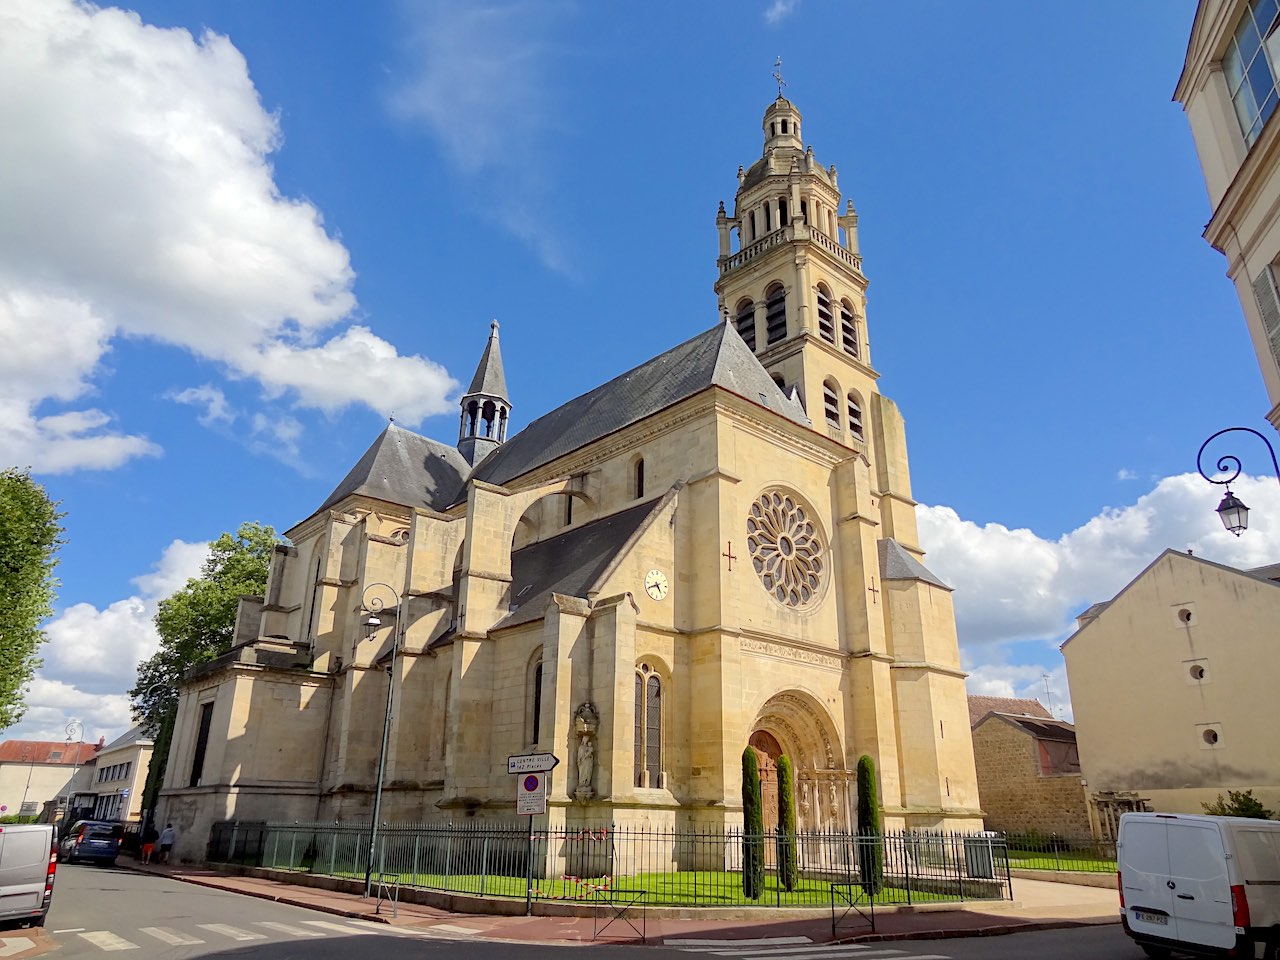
(715, 550)
(1229, 88)
(119, 774)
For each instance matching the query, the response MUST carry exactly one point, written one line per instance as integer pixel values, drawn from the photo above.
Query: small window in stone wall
(1058, 757)
(1196, 671)
(1210, 735)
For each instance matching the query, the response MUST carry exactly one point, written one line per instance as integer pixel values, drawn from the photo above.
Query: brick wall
(1015, 797)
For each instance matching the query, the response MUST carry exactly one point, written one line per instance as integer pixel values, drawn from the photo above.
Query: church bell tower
(791, 282)
(485, 406)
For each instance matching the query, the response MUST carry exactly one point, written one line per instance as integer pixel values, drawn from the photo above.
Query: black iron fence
(688, 867)
(1049, 851)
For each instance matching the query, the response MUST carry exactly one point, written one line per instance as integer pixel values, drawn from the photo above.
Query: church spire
(486, 408)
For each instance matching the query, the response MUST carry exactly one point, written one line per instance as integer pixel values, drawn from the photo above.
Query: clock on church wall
(786, 548)
(656, 584)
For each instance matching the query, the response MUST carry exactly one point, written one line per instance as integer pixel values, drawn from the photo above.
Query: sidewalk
(1037, 905)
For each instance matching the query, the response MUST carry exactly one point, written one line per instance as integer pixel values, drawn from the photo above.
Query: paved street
(98, 911)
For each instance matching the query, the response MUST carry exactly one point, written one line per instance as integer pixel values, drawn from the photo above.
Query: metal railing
(686, 867)
(1041, 851)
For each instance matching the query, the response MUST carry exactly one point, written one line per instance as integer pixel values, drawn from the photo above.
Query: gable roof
(980, 706)
(405, 468)
(571, 563)
(1100, 610)
(716, 357)
(132, 736)
(42, 752)
(897, 564)
(1040, 729)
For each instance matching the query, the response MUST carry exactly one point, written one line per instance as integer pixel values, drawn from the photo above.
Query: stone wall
(1015, 796)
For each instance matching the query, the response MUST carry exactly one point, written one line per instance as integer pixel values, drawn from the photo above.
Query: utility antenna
(777, 75)
(1048, 696)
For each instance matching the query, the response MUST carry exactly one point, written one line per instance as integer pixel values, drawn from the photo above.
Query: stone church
(715, 549)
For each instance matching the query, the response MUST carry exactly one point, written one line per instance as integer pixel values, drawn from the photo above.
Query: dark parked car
(96, 840)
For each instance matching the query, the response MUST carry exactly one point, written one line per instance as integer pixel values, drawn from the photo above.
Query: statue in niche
(586, 721)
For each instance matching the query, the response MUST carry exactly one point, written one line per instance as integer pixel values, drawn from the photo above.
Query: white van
(1198, 884)
(28, 860)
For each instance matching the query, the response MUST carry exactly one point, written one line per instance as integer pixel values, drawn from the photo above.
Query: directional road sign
(532, 763)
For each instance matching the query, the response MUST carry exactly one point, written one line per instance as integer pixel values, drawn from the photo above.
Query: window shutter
(1265, 292)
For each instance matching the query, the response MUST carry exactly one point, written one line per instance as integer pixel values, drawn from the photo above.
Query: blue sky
(235, 236)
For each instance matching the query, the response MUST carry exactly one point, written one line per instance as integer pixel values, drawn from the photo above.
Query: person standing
(168, 836)
(149, 837)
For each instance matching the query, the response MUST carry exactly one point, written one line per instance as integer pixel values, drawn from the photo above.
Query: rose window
(785, 549)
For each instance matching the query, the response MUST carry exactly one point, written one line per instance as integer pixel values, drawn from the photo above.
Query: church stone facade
(714, 550)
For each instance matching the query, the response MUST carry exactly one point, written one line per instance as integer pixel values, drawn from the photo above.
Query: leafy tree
(787, 867)
(196, 624)
(30, 534)
(870, 844)
(1238, 803)
(752, 828)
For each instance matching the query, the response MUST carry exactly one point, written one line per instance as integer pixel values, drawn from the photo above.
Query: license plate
(1157, 918)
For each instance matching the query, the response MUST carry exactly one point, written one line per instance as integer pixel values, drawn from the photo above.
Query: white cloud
(91, 657)
(1044, 682)
(779, 10)
(137, 198)
(479, 86)
(1017, 594)
(214, 401)
(1126, 474)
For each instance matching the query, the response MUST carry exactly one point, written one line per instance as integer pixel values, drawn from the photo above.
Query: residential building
(1028, 769)
(119, 777)
(1171, 685)
(1229, 88)
(33, 772)
(715, 550)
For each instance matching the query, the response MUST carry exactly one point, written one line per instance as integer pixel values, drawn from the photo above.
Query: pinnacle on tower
(486, 409)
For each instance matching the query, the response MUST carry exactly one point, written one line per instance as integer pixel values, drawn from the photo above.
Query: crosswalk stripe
(235, 933)
(343, 928)
(290, 929)
(816, 950)
(450, 928)
(106, 940)
(170, 936)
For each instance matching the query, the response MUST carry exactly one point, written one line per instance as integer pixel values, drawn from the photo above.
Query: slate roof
(489, 379)
(716, 357)
(405, 468)
(42, 751)
(571, 563)
(1058, 730)
(1270, 572)
(897, 564)
(132, 736)
(980, 706)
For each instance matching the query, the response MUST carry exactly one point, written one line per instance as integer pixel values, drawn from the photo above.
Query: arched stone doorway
(794, 723)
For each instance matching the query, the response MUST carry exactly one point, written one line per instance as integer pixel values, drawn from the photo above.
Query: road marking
(11, 945)
(450, 928)
(170, 936)
(817, 950)
(72, 930)
(235, 933)
(290, 929)
(345, 928)
(106, 940)
(762, 941)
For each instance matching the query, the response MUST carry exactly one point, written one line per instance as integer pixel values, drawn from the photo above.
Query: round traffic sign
(531, 782)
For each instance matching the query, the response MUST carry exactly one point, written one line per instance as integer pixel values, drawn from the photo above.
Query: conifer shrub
(869, 840)
(752, 827)
(787, 866)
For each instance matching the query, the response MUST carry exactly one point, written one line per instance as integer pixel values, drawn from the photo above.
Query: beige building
(120, 773)
(1028, 769)
(1229, 88)
(36, 772)
(1171, 685)
(717, 548)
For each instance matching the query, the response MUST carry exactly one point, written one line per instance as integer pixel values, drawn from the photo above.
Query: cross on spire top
(777, 75)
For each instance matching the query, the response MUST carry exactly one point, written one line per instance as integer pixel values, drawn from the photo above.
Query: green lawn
(1064, 860)
(708, 888)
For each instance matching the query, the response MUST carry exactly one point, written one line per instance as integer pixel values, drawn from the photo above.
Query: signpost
(533, 771)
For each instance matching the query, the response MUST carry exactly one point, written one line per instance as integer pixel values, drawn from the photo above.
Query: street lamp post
(75, 730)
(375, 605)
(1234, 514)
